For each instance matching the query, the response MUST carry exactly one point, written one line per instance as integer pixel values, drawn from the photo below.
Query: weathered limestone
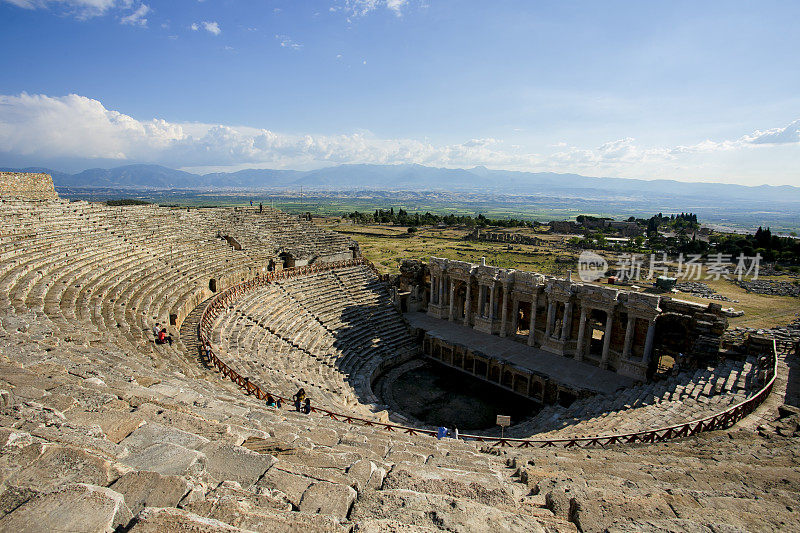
(328, 499)
(75, 507)
(225, 461)
(167, 459)
(60, 465)
(149, 489)
(27, 186)
(157, 520)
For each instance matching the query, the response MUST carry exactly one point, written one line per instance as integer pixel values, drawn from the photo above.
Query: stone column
(491, 303)
(468, 303)
(452, 300)
(532, 332)
(440, 294)
(481, 298)
(607, 339)
(566, 321)
(581, 334)
(434, 283)
(515, 316)
(551, 313)
(648, 343)
(629, 327)
(504, 312)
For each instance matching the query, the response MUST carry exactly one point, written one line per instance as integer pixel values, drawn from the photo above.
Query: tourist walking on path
(307, 406)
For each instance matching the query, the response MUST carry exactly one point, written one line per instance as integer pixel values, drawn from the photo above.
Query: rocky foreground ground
(93, 446)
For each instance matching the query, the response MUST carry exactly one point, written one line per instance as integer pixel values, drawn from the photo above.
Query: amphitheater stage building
(526, 370)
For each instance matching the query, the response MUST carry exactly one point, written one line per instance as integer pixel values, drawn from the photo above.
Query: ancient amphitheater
(102, 429)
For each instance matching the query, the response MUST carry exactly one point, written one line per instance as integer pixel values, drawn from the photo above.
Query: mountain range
(419, 177)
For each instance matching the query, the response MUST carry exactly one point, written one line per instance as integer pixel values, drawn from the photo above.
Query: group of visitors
(442, 432)
(273, 402)
(302, 403)
(161, 335)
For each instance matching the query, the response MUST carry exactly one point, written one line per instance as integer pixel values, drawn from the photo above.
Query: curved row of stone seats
(116, 271)
(92, 268)
(273, 231)
(322, 333)
(274, 361)
(96, 439)
(679, 399)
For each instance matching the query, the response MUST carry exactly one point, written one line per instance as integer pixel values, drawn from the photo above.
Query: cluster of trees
(682, 222)
(771, 247)
(404, 218)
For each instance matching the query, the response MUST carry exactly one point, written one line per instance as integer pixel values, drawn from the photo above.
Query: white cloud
(138, 17)
(76, 126)
(212, 27)
(361, 8)
(40, 128)
(789, 134)
(397, 6)
(287, 42)
(82, 9)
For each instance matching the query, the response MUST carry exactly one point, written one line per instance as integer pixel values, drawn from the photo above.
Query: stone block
(155, 433)
(328, 499)
(293, 485)
(159, 520)
(60, 465)
(150, 489)
(76, 507)
(235, 463)
(116, 425)
(167, 459)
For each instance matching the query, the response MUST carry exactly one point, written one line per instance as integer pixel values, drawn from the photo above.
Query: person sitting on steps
(163, 338)
(307, 406)
(270, 401)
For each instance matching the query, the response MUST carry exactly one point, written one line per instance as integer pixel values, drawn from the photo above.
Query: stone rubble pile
(699, 289)
(771, 287)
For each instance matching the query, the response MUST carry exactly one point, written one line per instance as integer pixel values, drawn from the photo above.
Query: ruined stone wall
(27, 186)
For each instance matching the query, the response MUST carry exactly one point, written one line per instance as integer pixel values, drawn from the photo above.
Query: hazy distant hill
(418, 177)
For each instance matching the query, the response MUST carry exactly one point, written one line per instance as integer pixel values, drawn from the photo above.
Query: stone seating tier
(326, 332)
(679, 399)
(102, 430)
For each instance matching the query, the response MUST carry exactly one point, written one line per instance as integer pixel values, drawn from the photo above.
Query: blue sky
(700, 91)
